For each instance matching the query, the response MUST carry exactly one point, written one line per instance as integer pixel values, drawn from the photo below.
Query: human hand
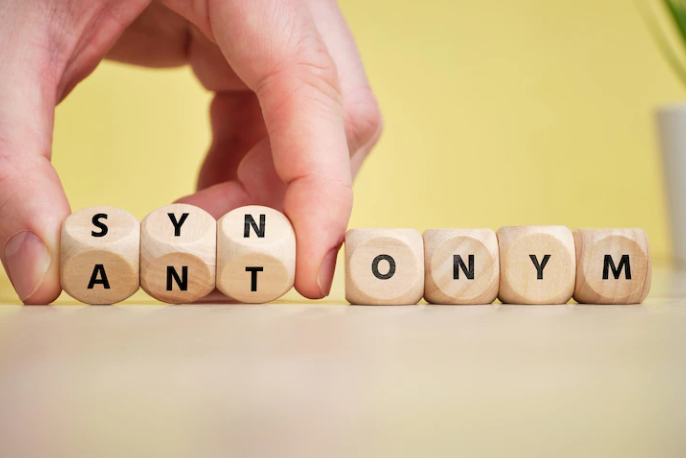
(293, 116)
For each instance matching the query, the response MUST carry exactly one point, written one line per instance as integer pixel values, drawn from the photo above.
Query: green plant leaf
(661, 38)
(678, 14)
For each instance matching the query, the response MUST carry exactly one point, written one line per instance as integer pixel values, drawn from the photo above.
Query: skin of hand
(293, 116)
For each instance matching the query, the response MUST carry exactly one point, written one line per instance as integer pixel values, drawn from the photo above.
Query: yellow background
(496, 113)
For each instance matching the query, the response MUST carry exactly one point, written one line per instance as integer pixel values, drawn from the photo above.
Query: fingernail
(27, 261)
(326, 272)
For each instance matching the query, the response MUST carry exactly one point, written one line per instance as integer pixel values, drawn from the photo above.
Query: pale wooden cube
(462, 266)
(613, 266)
(100, 255)
(255, 254)
(537, 264)
(178, 253)
(384, 266)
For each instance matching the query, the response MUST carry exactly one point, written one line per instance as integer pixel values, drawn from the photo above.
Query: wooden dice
(178, 253)
(384, 266)
(538, 264)
(462, 266)
(99, 255)
(255, 254)
(613, 266)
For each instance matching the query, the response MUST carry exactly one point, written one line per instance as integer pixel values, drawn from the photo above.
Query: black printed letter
(250, 221)
(458, 264)
(98, 224)
(182, 282)
(616, 271)
(177, 224)
(253, 276)
(391, 267)
(99, 269)
(539, 268)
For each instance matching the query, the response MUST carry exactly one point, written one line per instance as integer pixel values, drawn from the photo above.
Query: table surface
(323, 379)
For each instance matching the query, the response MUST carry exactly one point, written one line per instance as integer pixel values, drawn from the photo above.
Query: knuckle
(363, 120)
(302, 75)
(316, 67)
(308, 72)
(322, 78)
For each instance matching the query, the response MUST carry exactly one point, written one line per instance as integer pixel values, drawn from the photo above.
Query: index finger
(275, 48)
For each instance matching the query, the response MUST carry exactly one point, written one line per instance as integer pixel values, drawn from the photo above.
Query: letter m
(609, 264)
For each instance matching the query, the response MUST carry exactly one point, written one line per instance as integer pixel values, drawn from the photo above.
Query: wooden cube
(613, 266)
(178, 253)
(537, 264)
(255, 254)
(99, 255)
(462, 266)
(384, 266)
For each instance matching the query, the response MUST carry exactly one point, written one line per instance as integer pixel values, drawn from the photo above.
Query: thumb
(32, 201)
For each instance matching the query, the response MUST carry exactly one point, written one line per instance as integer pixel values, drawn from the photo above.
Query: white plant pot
(671, 124)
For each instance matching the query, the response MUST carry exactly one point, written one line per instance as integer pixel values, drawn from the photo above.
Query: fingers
(237, 126)
(161, 37)
(256, 183)
(363, 122)
(219, 199)
(33, 208)
(46, 50)
(158, 37)
(210, 66)
(32, 202)
(238, 169)
(275, 48)
(79, 36)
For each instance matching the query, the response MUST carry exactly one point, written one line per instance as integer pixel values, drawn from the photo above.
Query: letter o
(391, 267)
